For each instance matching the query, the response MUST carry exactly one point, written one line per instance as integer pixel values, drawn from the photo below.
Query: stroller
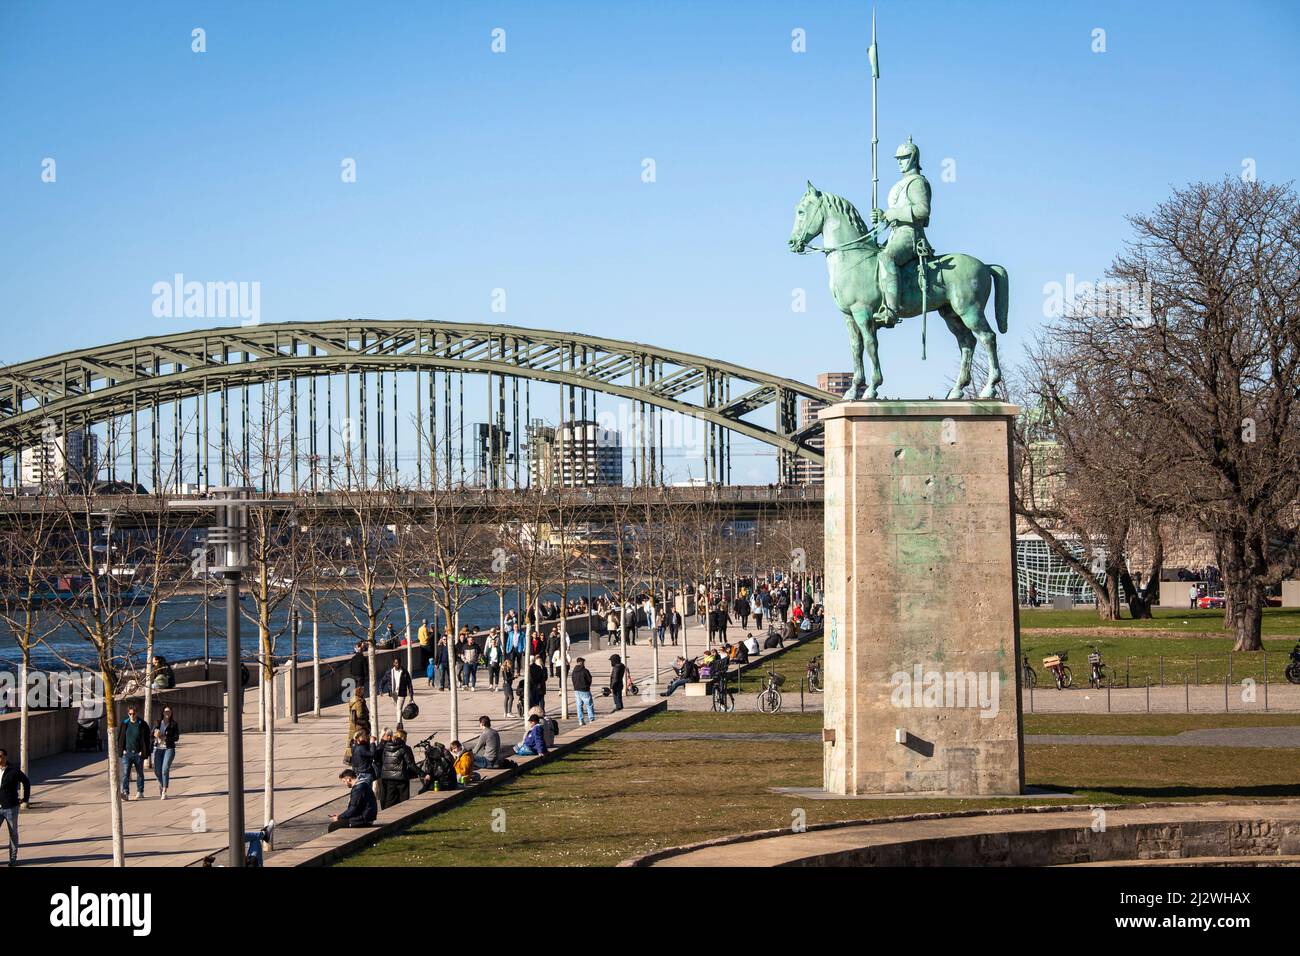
(437, 765)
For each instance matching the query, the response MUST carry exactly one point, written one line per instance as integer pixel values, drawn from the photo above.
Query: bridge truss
(181, 404)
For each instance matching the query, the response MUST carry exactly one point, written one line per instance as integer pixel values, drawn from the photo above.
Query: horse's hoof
(986, 392)
(954, 394)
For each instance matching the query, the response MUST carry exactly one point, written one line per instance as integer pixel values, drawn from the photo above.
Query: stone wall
(922, 626)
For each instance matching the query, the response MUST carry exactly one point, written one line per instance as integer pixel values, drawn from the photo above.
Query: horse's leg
(867, 326)
(973, 318)
(966, 342)
(855, 349)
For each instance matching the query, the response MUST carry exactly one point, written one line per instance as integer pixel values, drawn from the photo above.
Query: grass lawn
(1155, 725)
(1277, 620)
(622, 796)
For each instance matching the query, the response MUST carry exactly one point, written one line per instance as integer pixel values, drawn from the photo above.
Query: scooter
(1293, 669)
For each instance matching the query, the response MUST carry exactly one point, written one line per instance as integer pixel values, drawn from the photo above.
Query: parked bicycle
(815, 674)
(1028, 676)
(1096, 669)
(769, 698)
(1060, 670)
(724, 698)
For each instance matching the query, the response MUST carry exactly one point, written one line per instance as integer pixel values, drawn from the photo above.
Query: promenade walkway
(1150, 834)
(68, 823)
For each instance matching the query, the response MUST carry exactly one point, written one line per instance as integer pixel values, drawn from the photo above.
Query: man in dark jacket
(359, 668)
(617, 675)
(537, 686)
(135, 741)
(686, 672)
(580, 677)
(12, 779)
(741, 607)
(361, 811)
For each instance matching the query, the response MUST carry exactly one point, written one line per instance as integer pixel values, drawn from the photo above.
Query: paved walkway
(1206, 699)
(69, 824)
(1279, 737)
(778, 848)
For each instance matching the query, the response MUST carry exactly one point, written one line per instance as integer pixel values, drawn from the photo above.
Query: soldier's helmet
(909, 149)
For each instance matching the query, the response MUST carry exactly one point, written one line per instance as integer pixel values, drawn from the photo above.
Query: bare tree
(26, 544)
(1201, 338)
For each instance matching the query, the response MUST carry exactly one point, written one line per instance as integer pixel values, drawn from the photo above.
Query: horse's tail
(1000, 296)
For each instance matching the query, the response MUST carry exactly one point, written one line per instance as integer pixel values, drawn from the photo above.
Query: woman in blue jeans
(165, 736)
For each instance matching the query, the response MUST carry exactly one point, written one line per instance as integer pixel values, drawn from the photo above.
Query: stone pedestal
(922, 625)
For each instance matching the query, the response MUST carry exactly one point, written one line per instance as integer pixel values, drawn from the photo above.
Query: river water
(181, 628)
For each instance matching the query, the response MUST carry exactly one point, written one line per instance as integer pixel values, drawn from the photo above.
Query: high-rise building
(578, 454)
(837, 383)
(492, 455)
(59, 458)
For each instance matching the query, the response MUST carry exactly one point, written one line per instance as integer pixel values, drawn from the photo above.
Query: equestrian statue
(876, 284)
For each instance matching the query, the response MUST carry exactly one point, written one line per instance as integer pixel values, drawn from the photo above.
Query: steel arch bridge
(82, 388)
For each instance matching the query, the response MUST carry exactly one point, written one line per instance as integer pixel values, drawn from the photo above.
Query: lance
(875, 75)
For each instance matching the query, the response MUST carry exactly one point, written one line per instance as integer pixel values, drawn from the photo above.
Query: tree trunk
(315, 662)
(406, 609)
(24, 741)
(1244, 593)
(268, 679)
(114, 775)
(1247, 621)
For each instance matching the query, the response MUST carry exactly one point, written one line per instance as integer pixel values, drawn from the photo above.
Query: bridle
(852, 243)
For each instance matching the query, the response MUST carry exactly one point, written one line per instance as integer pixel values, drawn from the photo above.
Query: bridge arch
(85, 387)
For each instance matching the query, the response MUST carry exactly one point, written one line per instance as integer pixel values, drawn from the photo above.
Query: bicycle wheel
(1031, 677)
(769, 701)
(728, 702)
(1067, 679)
(815, 681)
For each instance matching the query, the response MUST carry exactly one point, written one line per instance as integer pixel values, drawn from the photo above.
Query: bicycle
(1056, 664)
(724, 698)
(769, 698)
(1028, 676)
(1096, 669)
(815, 675)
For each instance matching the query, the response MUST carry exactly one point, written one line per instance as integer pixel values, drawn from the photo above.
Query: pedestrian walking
(508, 685)
(135, 742)
(397, 684)
(12, 780)
(580, 678)
(359, 668)
(358, 719)
(165, 736)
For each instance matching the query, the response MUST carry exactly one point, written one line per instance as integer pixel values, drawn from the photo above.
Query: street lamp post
(229, 536)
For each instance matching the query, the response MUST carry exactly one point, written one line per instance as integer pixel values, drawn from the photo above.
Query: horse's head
(809, 217)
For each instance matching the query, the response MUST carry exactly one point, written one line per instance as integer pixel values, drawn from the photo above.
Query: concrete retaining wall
(197, 706)
(1262, 837)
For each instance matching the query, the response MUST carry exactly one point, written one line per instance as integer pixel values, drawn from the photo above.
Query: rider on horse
(907, 216)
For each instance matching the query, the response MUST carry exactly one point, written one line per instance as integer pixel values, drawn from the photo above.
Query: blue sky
(522, 170)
